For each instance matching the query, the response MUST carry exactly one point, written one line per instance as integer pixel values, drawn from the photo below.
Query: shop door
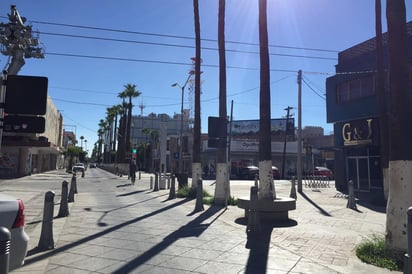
(358, 172)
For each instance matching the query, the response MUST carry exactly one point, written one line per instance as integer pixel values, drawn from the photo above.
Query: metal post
(407, 268)
(293, 189)
(151, 182)
(172, 192)
(5, 245)
(46, 238)
(199, 196)
(299, 159)
(253, 226)
(64, 201)
(73, 187)
(351, 199)
(156, 185)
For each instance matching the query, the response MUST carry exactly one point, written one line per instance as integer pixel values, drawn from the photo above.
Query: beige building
(26, 153)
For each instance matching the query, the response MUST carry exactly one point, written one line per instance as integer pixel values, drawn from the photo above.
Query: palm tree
(121, 151)
(400, 150)
(129, 92)
(101, 131)
(81, 142)
(196, 163)
(222, 190)
(267, 189)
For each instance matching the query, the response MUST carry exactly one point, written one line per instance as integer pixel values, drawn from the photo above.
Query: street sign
(26, 95)
(24, 124)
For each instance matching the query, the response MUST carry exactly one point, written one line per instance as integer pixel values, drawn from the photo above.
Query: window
(355, 89)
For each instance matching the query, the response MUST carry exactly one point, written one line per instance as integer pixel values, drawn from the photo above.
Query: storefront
(358, 155)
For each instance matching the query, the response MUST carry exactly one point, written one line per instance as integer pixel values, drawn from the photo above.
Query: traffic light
(134, 153)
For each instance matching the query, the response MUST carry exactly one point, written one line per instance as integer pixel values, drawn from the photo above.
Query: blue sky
(152, 47)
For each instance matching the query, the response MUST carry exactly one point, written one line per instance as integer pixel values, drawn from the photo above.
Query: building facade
(27, 153)
(352, 106)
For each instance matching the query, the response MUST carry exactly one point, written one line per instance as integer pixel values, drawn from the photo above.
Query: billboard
(249, 129)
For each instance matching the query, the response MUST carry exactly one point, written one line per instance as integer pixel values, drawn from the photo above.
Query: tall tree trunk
(129, 125)
(266, 186)
(382, 98)
(222, 190)
(196, 163)
(400, 134)
(121, 143)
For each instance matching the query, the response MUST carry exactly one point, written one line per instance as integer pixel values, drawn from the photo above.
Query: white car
(78, 167)
(12, 218)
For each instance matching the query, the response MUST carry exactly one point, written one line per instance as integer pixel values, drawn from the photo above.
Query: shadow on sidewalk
(258, 243)
(324, 212)
(69, 246)
(192, 229)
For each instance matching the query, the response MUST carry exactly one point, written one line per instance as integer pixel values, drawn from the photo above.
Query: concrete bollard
(407, 262)
(199, 196)
(351, 199)
(253, 224)
(5, 245)
(256, 180)
(293, 189)
(46, 237)
(140, 175)
(156, 184)
(72, 191)
(64, 201)
(172, 191)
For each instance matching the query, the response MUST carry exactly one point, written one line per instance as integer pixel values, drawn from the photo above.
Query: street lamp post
(181, 125)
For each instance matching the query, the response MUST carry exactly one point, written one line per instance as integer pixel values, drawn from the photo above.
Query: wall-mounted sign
(359, 132)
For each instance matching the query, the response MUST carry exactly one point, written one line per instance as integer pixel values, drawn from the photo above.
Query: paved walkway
(115, 227)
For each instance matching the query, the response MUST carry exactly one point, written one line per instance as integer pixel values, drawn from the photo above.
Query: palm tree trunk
(196, 164)
(129, 125)
(222, 190)
(382, 97)
(400, 134)
(266, 186)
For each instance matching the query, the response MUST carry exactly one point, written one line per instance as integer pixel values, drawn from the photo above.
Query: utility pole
(285, 141)
(299, 159)
(18, 41)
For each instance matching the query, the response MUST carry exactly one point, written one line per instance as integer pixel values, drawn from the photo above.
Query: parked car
(248, 172)
(93, 165)
(323, 171)
(78, 167)
(12, 218)
(275, 173)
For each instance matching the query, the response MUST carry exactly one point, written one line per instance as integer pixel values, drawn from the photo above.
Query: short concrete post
(199, 196)
(351, 199)
(253, 225)
(73, 189)
(140, 175)
(151, 182)
(172, 191)
(64, 201)
(46, 238)
(156, 184)
(5, 245)
(407, 262)
(293, 189)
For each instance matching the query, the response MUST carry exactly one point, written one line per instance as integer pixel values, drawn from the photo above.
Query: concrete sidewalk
(166, 236)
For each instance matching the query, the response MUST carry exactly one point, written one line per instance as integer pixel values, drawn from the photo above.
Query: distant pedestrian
(132, 171)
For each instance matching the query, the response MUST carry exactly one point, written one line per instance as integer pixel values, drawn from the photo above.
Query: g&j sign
(359, 132)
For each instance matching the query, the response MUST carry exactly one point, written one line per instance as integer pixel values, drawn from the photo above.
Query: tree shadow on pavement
(193, 228)
(258, 242)
(71, 245)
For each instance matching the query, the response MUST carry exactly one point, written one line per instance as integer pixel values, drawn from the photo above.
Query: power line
(179, 46)
(175, 36)
(314, 91)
